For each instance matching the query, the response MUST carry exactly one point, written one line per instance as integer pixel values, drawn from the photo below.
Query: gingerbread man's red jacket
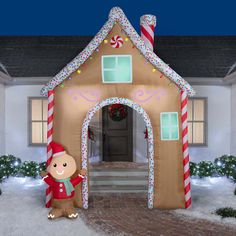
(58, 188)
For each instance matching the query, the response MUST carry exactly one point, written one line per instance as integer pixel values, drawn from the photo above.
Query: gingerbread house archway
(141, 111)
(147, 83)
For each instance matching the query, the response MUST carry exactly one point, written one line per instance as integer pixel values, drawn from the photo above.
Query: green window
(117, 69)
(169, 126)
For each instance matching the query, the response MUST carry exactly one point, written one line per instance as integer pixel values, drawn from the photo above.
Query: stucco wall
(233, 120)
(219, 123)
(2, 119)
(16, 114)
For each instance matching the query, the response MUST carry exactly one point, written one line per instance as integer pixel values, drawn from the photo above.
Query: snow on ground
(209, 194)
(22, 212)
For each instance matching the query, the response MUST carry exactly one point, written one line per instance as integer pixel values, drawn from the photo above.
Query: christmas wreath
(117, 112)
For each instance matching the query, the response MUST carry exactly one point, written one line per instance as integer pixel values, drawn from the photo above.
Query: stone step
(119, 188)
(119, 182)
(118, 172)
(119, 178)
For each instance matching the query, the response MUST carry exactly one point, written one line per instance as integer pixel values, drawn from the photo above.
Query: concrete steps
(119, 180)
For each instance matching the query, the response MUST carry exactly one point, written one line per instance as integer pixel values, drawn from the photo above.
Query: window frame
(205, 122)
(174, 112)
(30, 143)
(116, 56)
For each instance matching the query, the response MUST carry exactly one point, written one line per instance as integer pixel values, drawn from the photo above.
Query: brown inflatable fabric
(69, 115)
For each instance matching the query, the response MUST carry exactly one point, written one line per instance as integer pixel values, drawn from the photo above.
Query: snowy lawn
(209, 194)
(22, 212)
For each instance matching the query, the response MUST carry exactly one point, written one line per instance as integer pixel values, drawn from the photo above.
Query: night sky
(76, 17)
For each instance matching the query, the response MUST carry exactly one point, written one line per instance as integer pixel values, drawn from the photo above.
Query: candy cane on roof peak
(148, 24)
(49, 140)
(184, 116)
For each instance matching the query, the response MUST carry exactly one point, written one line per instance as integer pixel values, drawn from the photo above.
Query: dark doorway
(117, 133)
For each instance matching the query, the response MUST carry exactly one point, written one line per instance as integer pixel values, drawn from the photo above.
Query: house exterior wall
(233, 120)
(219, 123)
(2, 119)
(16, 125)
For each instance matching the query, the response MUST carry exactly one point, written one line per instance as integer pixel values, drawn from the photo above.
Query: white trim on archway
(84, 148)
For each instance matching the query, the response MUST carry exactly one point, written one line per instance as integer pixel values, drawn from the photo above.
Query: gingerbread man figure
(60, 170)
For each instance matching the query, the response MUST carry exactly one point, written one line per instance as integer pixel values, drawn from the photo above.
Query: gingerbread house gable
(117, 16)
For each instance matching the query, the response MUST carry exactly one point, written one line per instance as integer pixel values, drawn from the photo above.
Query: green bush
(226, 166)
(42, 166)
(193, 168)
(9, 166)
(205, 169)
(12, 166)
(226, 212)
(30, 168)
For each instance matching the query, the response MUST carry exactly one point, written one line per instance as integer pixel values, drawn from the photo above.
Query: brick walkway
(127, 214)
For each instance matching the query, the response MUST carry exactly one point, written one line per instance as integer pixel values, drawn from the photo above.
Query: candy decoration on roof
(117, 15)
(148, 24)
(117, 41)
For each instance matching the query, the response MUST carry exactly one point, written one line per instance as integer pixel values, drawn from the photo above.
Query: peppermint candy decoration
(117, 41)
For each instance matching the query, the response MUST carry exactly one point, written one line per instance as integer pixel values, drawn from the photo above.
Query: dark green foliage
(226, 212)
(12, 166)
(226, 166)
(235, 191)
(42, 166)
(222, 166)
(9, 166)
(193, 168)
(202, 169)
(205, 168)
(30, 168)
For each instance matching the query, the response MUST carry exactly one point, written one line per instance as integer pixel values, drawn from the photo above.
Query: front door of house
(117, 125)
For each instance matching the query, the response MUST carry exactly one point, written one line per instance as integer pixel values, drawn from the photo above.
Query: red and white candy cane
(49, 140)
(184, 116)
(148, 24)
(116, 41)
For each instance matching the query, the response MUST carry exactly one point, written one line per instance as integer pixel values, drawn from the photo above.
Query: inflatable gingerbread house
(119, 67)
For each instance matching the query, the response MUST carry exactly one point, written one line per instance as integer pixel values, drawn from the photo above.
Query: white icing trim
(117, 15)
(59, 154)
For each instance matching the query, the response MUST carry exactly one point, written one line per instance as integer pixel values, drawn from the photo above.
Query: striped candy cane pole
(49, 140)
(184, 114)
(148, 24)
